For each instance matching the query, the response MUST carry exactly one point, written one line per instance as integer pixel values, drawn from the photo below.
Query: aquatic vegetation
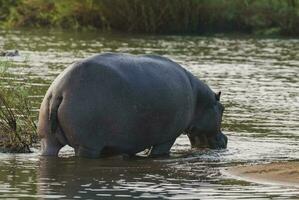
(266, 17)
(17, 124)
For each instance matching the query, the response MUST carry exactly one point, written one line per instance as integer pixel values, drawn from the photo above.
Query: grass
(17, 124)
(262, 17)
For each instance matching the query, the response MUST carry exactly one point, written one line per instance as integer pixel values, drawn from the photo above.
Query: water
(259, 80)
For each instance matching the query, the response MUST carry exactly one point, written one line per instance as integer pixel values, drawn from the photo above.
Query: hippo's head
(205, 130)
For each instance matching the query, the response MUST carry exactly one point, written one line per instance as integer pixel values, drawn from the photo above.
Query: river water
(259, 80)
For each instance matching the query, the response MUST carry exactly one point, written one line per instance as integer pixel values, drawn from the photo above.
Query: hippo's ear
(218, 96)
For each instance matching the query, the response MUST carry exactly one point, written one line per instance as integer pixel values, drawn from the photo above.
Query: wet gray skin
(119, 103)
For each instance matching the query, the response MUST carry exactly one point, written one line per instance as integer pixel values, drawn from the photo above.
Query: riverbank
(282, 173)
(263, 17)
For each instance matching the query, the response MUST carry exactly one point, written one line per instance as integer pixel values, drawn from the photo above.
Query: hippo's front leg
(162, 149)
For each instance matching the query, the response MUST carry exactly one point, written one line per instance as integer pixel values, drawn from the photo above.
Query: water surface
(259, 80)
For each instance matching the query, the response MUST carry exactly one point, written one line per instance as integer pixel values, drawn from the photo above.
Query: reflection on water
(259, 82)
(188, 176)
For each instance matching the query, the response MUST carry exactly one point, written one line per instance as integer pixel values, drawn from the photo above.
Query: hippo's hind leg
(161, 150)
(49, 129)
(52, 143)
(50, 146)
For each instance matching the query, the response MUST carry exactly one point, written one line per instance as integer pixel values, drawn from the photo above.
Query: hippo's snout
(218, 141)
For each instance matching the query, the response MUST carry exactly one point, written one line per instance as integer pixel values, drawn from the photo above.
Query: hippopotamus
(114, 103)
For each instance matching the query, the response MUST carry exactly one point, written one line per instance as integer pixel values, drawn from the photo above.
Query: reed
(17, 124)
(278, 17)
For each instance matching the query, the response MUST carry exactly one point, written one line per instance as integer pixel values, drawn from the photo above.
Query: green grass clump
(17, 125)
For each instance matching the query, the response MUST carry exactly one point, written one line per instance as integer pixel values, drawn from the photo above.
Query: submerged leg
(50, 146)
(87, 152)
(161, 150)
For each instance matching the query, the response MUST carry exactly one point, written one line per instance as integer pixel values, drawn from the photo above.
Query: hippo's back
(123, 101)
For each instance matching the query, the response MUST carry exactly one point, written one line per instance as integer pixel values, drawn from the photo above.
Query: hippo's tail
(54, 125)
(54, 104)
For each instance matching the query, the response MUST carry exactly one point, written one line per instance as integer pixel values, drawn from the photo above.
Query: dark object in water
(10, 53)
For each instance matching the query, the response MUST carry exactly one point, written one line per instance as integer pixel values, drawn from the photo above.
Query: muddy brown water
(259, 80)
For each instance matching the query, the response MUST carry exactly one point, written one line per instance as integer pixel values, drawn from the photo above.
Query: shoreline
(278, 173)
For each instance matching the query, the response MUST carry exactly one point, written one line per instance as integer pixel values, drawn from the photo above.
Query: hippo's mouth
(218, 141)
